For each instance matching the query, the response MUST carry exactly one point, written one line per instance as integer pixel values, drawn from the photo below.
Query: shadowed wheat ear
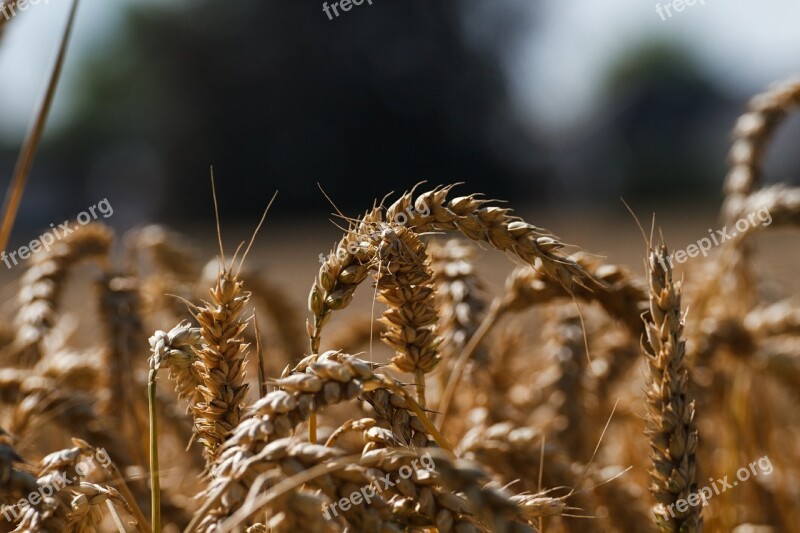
(670, 422)
(120, 311)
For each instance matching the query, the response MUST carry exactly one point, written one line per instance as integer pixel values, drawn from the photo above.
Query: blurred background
(562, 107)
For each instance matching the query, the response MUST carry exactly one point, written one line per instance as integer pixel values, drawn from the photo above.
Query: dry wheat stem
(34, 134)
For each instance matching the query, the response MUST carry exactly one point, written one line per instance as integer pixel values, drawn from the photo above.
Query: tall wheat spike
(222, 358)
(670, 422)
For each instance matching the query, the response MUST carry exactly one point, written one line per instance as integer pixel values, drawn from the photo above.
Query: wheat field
(447, 366)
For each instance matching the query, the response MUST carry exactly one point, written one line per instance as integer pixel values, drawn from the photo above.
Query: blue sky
(554, 70)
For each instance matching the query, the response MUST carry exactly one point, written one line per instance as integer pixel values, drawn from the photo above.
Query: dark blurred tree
(275, 95)
(660, 133)
(668, 103)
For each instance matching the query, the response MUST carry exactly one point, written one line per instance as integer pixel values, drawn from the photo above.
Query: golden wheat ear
(670, 422)
(406, 287)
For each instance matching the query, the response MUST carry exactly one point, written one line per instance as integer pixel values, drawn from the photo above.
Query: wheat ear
(474, 218)
(42, 284)
(341, 272)
(405, 286)
(222, 358)
(670, 420)
(460, 297)
(290, 457)
(348, 263)
(753, 132)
